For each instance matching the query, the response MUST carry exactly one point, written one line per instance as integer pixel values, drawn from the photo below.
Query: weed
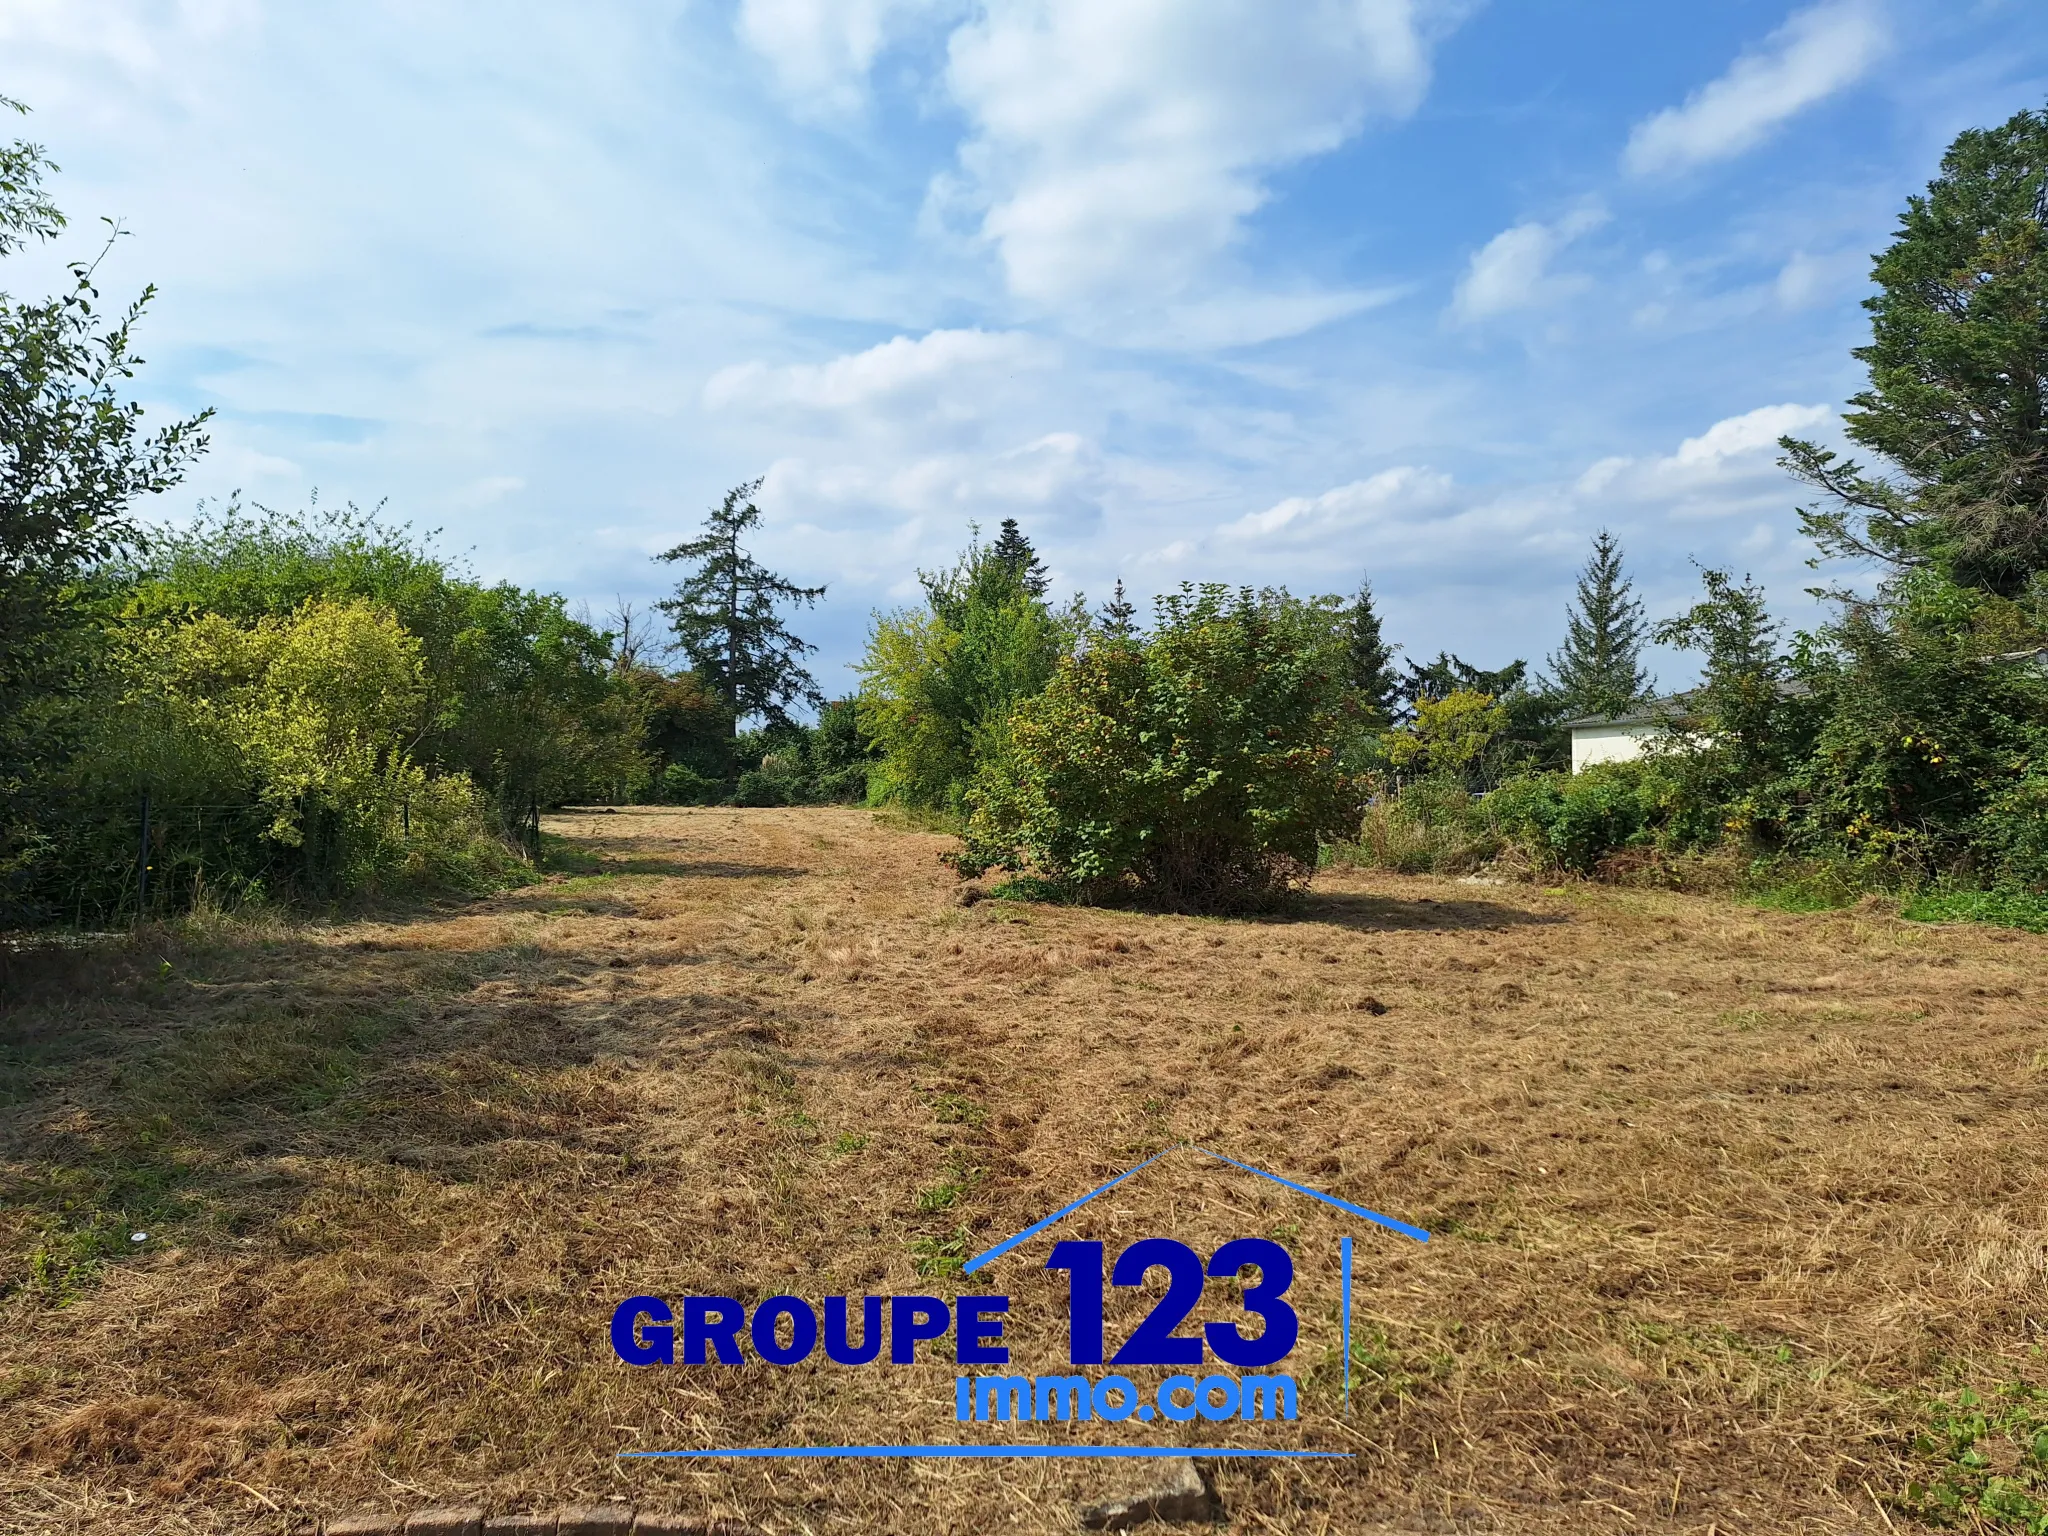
(847, 1142)
(2001, 909)
(958, 1109)
(1985, 1464)
(936, 1258)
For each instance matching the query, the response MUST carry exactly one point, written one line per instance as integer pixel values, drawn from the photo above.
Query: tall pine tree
(1599, 669)
(1012, 549)
(725, 618)
(1368, 659)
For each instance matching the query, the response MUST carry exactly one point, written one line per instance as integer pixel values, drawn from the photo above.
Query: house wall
(1610, 743)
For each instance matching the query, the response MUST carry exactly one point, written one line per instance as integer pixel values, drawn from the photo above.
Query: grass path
(1720, 1194)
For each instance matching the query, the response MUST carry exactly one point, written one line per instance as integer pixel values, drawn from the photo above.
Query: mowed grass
(1740, 1216)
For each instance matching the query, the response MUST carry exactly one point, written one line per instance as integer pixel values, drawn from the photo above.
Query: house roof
(1673, 707)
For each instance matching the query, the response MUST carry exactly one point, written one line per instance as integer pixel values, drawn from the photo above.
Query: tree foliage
(517, 694)
(1369, 659)
(1014, 552)
(1598, 670)
(75, 457)
(726, 614)
(1957, 408)
(939, 683)
(1197, 767)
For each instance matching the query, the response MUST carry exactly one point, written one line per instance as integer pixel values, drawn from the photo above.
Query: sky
(1209, 290)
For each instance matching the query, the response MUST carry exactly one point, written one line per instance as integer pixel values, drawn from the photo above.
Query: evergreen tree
(1013, 550)
(1119, 615)
(1368, 659)
(724, 614)
(1448, 674)
(1958, 361)
(1599, 669)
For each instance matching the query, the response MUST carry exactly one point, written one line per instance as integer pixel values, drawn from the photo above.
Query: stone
(449, 1520)
(1180, 1494)
(371, 1524)
(594, 1520)
(518, 1525)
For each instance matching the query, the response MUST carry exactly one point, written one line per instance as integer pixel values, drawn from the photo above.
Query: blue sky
(1209, 289)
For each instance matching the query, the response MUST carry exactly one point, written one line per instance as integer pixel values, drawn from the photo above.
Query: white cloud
(1728, 469)
(942, 370)
(821, 50)
(1817, 52)
(1747, 433)
(1396, 494)
(1118, 148)
(1512, 270)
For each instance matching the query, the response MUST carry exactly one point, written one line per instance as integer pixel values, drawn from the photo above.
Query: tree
(1958, 362)
(1369, 660)
(1119, 616)
(1013, 550)
(1734, 716)
(74, 458)
(1598, 671)
(939, 683)
(725, 618)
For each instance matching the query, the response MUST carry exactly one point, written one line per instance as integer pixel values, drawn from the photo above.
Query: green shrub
(759, 787)
(1572, 821)
(683, 785)
(2011, 836)
(1197, 767)
(1431, 826)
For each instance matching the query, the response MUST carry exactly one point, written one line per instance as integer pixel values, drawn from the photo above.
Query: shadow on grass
(1340, 909)
(1344, 909)
(197, 1083)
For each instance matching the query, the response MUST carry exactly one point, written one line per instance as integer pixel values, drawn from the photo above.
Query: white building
(1618, 738)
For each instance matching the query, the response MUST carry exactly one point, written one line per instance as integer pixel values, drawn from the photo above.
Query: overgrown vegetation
(1198, 766)
(1901, 746)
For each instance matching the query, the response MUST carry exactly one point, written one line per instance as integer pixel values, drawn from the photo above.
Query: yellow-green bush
(274, 754)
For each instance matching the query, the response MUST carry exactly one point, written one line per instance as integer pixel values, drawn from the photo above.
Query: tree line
(268, 705)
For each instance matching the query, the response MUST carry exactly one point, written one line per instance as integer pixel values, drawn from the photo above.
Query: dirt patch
(1716, 1192)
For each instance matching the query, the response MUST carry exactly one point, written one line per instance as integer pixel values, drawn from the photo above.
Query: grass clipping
(1732, 1207)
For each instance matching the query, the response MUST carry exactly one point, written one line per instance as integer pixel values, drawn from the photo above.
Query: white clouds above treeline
(1133, 271)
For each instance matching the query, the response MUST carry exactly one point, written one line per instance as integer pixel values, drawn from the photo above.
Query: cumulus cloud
(1512, 270)
(1817, 52)
(1117, 149)
(1728, 469)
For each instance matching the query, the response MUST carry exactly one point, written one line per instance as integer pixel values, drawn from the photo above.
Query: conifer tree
(1012, 549)
(725, 619)
(1119, 615)
(1368, 659)
(1599, 669)
(1958, 356)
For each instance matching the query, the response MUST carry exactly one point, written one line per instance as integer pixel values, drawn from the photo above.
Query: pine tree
(724, 614)
(1599, 669)
(1119, 615)
(1012, 549)
(1369, 660)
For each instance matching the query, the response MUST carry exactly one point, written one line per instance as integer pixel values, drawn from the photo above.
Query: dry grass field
(1721, 1196)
